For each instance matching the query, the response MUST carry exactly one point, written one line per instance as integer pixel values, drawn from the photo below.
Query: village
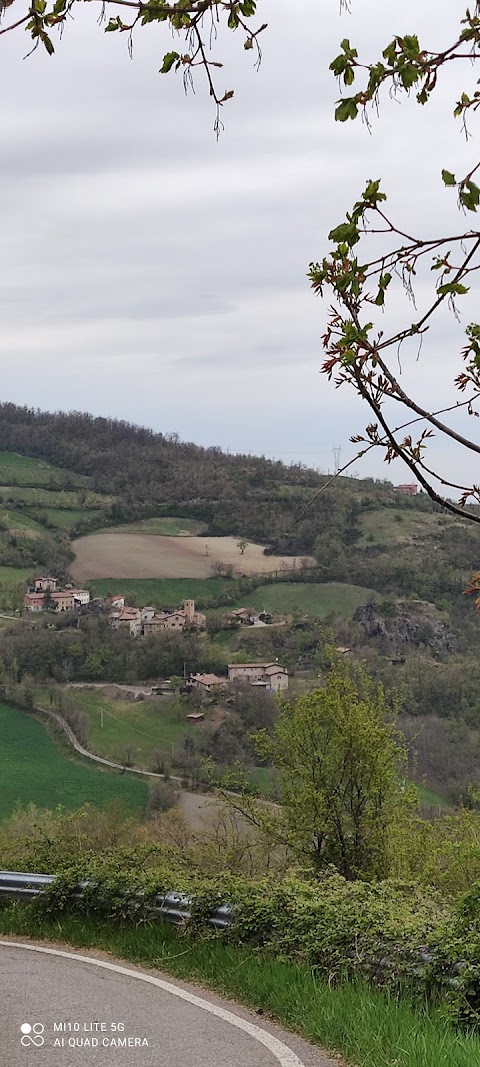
(46, 594)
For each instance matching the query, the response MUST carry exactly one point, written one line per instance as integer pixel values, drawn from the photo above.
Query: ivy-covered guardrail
(174, 907)
(392, 934)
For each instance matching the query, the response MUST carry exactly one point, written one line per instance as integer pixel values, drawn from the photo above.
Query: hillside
(82, 473)
(147, 475)
(63, 476)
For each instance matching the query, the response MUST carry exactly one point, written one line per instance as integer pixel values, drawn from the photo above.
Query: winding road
(63, 1009)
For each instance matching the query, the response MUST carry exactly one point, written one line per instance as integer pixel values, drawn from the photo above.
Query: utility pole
(337, 452)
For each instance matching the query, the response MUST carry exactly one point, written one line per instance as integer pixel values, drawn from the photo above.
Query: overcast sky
(151, 273)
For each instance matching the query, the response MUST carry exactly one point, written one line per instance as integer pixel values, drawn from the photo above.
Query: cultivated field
(161, 592)
(117, 555)
(33, 771)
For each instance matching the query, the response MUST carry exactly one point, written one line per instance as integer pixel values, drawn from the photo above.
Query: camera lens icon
(32, 1034)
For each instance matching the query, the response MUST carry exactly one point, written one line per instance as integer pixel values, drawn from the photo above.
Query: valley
(312, 571)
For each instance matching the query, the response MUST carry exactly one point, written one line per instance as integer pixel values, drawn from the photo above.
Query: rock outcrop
(413, 623)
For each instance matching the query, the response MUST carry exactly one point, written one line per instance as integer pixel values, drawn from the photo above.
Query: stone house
(206, 682)
(273, 676)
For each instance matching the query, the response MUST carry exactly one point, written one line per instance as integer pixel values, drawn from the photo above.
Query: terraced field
(25, 470)
(35, 495)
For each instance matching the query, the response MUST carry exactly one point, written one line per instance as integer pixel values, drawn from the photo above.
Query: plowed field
(120, 555)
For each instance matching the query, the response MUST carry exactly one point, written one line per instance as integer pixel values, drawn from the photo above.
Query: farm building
(271, 675)
(58, 599)
(207, 682)
(42, 584)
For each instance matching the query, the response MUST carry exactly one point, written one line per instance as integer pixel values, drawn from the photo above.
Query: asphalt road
(63, 1009)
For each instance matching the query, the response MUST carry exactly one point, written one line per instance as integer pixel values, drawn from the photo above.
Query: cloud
(152, 273)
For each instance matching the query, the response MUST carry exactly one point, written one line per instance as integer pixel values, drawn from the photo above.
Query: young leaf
(168, 60)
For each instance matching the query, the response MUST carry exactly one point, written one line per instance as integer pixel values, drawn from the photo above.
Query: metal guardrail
(174, 907)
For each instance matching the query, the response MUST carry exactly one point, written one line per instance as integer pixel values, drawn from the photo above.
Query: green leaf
(411, 47)
(448, 177)
(338, 65)
(408, 75)
(168, 60)
(346, 109)
(470, 196)
(45, 39)
(390, 53)
(452, 289)
(347, 231)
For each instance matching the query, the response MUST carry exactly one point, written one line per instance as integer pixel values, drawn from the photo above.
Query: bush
(163, 796)
(455, 968)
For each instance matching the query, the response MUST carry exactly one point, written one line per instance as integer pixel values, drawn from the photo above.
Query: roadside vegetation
(367, 1027)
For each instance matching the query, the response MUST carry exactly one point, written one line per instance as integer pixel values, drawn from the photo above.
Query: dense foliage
(151, 473)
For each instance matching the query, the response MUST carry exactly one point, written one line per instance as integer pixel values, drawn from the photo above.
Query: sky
(153, 273)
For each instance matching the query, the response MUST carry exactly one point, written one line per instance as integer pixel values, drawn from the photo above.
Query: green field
(161, 591)
(63, 518)
(163, 525)
(34, 771)
(146, 726)
(17, 520)
(316, 599)
(25, 469)
(15, 575)
(43, 497)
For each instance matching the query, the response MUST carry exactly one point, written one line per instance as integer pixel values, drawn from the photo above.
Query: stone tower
(189, 609)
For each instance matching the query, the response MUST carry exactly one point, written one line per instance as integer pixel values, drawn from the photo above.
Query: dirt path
(196, 806)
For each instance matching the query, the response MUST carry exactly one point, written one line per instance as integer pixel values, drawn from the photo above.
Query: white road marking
(282, 1053)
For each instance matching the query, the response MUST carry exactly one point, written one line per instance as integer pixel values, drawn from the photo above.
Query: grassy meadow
(163, 525)
(25, 470)
(385, 526)
(34, 771)
(316, 599)
(145, 727)
(15, 575)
